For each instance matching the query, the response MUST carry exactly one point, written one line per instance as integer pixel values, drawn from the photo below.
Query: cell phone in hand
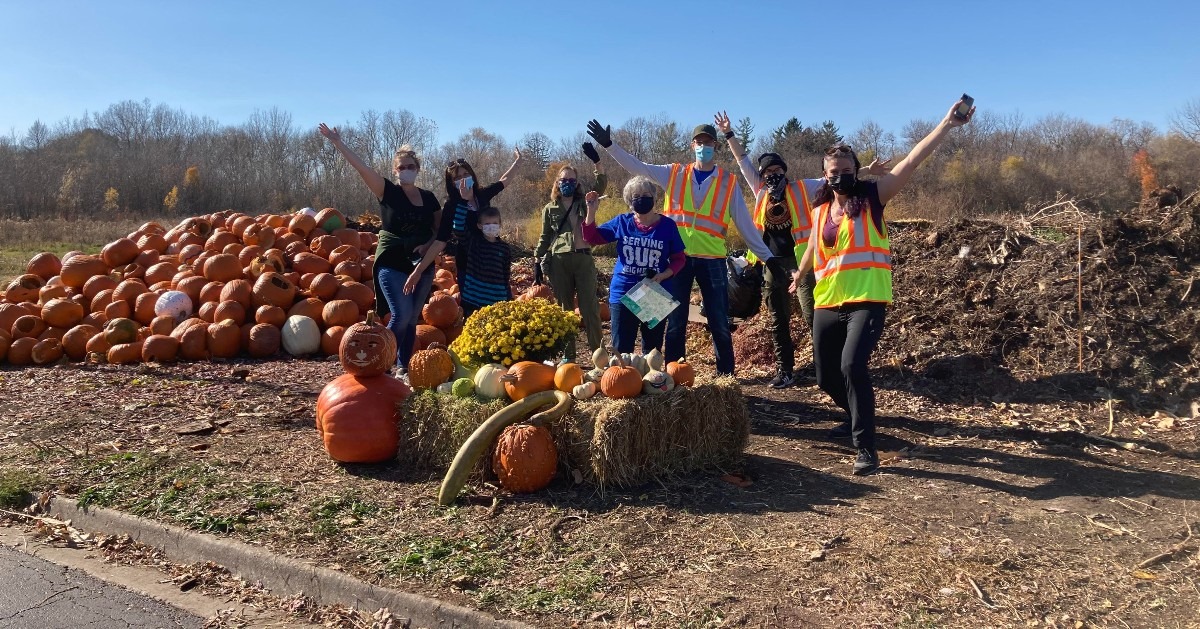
(964, 108)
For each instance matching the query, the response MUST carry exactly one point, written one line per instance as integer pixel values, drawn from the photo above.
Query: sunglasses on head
(840, 149)
(456, 162)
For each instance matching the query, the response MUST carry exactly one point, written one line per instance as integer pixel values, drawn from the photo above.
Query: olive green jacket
(558, 235)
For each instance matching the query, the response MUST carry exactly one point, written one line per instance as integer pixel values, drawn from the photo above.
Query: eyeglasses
(407, 167)
(839, 149)
(566, 180)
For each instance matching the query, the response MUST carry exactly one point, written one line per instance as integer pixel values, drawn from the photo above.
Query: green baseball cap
(705, 129)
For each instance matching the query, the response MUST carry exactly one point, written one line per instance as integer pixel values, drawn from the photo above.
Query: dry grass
(20, 240)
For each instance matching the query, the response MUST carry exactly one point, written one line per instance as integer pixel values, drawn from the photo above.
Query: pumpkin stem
(508, 377)
(370, 317)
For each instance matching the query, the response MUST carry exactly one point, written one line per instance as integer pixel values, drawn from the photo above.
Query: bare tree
(1186, 121)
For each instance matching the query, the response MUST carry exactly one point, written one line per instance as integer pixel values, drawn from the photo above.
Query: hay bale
(624, 443)
(612, 443)
(435, 426)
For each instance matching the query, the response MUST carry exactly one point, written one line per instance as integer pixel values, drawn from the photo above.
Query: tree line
(140, 159)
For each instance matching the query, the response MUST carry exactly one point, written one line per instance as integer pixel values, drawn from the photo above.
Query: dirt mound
(977, 298)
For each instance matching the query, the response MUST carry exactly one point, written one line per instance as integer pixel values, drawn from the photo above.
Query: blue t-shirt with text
(639, 250)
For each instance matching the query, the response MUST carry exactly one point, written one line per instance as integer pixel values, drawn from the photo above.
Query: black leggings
(843, 339)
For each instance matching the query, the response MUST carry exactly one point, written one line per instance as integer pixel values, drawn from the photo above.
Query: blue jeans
(405, 308)
(625, 327)
(710, 274)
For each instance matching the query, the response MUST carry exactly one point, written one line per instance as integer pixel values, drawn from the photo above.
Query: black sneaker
(866, 462)
(783, 380)
(841, 431)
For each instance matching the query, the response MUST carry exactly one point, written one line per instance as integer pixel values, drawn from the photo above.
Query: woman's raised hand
(592, 199)
(722, 122)
(516, 155)
(332, 134)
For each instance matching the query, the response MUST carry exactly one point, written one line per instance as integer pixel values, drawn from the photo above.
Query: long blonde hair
(555, 193)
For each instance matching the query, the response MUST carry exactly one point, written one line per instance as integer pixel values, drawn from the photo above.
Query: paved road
(36, 594)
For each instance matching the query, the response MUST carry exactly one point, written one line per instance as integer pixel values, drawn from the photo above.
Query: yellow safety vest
(858, 267)
(702, 228)
(801, 217)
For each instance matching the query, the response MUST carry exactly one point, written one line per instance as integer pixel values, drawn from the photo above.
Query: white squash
(584, 391)
(488, 383)
(657, 382)
(637, 361)
(446, 387)
(655, 360)
(300, 335)
(594, 375)
(600, 357)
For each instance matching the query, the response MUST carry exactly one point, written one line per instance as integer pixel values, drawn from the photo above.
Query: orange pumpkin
(224, 339)
(160, 348)
(358, 418)
(193, 339)
(539, 291)
(427, 335)
(162, 325)
(44, 265)
(78, 269)
(367, 348)
(222, 267)
(341, 312)
(143, 307)
(331, 340)
(311, 308)
(621, 381)
(119, 252)
(20, 352)
(230, 310)
(441, 311)
(74, 342)
(125, 353)
(24, 288)
(121, 330)
(95, 285)
(330, 219)
(567, 377)
(357, 293)
(323, 286)
(264, 340)
(301, 224)
(527, 377)
(237, 290)
(308, 262)
(430, 367)
(46, 351)
(273, 289)
(271, 315)
(28, 326)
(62, 313)
(525, 459)
(682, 373)
(128, 290)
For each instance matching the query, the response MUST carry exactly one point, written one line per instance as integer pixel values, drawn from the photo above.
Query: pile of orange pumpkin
(233, 284)
(441, 316)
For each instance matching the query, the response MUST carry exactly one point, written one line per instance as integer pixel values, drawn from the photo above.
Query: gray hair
(638, 186)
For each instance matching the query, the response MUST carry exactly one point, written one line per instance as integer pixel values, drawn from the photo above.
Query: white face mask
(491, 230)
(406, 176)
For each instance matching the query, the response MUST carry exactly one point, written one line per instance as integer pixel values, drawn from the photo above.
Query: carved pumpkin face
(367, 349)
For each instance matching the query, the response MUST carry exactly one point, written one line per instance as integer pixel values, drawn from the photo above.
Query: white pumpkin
(614, 361)
(309, 211)
(300, 335)
(657, 382)
(488, 383)
(584, 391)
(655, 360)
(174, 304)
(594, 375)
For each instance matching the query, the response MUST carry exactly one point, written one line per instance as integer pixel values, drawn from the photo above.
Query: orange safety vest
(858, 267)
(702, 227)
(801, 216)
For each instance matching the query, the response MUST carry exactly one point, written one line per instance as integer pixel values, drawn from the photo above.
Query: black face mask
(843, 183)
(776, 184)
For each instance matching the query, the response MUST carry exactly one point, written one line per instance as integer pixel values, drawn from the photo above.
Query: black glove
(591, 153)
(537, 272)
(603, 135)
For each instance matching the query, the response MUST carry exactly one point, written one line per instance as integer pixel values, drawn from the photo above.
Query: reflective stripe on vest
(701, 228)
(801, 220)
(857, 268)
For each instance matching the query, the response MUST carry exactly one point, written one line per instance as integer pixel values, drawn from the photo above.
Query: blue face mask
(567, 189)
(467, 181)
(704, 153)
(641, 205)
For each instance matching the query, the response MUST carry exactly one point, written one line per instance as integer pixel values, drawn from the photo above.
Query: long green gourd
(478, 442)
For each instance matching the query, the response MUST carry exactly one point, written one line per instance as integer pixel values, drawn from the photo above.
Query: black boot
(867, 461)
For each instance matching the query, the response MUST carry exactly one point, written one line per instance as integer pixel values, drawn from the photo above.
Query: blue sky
(516, 67)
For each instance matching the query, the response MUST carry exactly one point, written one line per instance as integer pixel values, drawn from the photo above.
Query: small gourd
(657, 382)
(594, 375)
(446, 388)
(463, 387)
(584, 391)
(655, 360)
(460, 370)
(488, 383)
(637, 361)
(600, 357)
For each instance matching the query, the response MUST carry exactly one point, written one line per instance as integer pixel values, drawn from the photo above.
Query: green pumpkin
(463, 387)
